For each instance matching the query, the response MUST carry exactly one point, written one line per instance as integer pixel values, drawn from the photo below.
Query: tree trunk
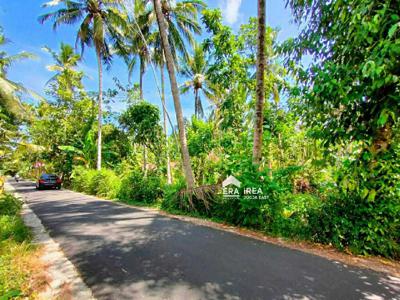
(141, 78)
(100, 116)
(197, 110)
(169, 175)
(141, 97)
(187, 167)
(280, 144)
(144, 160)
(260, 90)
(382, 139)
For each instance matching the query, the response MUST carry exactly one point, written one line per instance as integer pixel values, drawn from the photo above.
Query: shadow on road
(127, 253)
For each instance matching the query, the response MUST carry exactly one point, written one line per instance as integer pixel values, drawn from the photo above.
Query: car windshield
(48, 177)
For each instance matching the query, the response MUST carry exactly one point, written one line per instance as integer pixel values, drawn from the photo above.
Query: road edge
(373, 263)
(64, 276)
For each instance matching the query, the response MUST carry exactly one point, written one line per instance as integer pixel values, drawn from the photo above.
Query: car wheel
(58, 187)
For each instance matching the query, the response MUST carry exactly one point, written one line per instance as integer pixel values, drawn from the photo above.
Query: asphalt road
(127, 253)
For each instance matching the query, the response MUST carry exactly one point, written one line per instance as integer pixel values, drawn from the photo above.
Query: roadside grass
(21, 271)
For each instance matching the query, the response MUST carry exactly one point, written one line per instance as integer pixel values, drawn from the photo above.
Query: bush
(12, 227)
(79, 178)
(106, 183)
(137, 188)
(362, 226)
(103, 183)
(256, 213)
(364, 213)
(294, 219)
(9, 205)
(171, 200)
(11, 224)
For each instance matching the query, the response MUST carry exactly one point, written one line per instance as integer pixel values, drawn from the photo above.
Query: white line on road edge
(62, 272)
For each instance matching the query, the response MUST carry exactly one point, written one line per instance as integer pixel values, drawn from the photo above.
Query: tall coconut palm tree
(100, 21)
(137, 37)
(65, 61)
(196, 70)
(182, 18)
(162, 25)
(181, 24)
(64, 66)
(260, 88)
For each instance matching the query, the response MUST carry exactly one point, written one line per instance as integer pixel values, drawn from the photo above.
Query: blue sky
(19, 21)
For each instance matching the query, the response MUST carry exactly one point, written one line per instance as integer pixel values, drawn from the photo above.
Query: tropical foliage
(309, 126)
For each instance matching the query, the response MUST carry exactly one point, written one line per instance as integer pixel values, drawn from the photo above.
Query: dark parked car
(48, 181)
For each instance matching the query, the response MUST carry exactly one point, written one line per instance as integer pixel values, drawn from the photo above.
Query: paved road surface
(126, 253)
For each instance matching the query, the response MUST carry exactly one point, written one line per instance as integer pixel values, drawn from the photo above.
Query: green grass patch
(21, 271)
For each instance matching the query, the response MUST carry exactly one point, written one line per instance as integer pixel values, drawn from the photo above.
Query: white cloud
(52, 3)
(230, 9)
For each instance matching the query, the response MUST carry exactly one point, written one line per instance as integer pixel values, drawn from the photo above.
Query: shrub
(135, 187)
(104, 183)
(257, 213)
(78, 178)
(171, 200)
(9, 205)
(363, 215)
(294, 219)
(89, 183)
(109, 184)
(12, 227)
(200, 200)
(362, 226)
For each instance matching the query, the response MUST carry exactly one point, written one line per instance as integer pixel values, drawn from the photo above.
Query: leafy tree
(352, 90)
(274, 78)
(100, 23)
(349, 94)
(63, 125)
(142, 122)
(229, 70)
(13, 113)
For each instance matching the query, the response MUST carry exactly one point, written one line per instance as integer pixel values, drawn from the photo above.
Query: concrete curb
(64, 277)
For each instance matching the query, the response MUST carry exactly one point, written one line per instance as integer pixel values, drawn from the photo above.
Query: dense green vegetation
(320, 140)
(19, 266)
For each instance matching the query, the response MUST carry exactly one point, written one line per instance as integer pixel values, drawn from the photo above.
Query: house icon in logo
(231, 180)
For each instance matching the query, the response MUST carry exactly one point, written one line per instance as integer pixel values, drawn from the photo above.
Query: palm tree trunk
(260, 90)
(141, 97)
(141, 78)
(187, 167)
(100, 116)
(196, 103)
(169, 175)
